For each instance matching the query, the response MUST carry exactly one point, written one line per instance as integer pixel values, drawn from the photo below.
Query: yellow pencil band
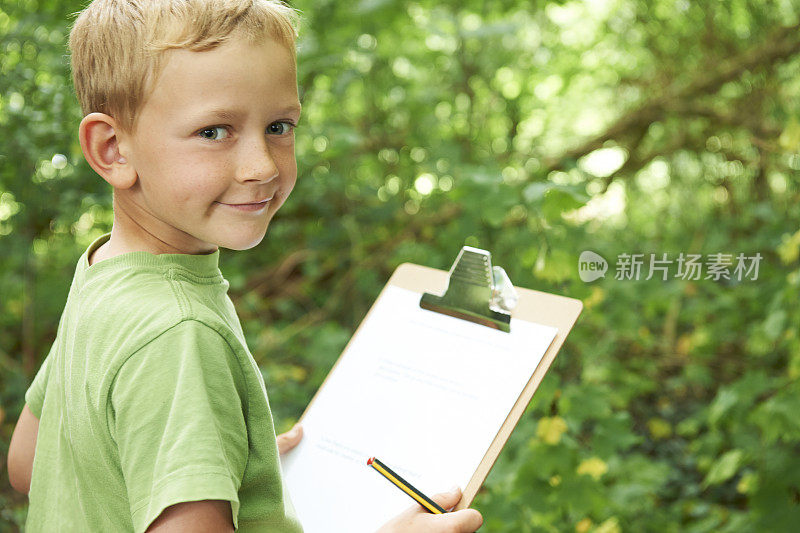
(405, 486)
(405, 489)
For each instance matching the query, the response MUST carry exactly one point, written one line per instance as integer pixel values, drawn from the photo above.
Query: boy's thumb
(446, 500)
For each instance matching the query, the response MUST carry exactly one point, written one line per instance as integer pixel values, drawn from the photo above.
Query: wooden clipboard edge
(544, 308)
(520, 406)
(407, 276)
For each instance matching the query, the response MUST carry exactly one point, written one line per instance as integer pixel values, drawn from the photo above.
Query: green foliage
(536, 130)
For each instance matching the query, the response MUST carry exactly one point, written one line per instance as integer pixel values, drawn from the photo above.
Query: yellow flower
(550, 429)
(609, 526)
(594, 467)
(659, 428)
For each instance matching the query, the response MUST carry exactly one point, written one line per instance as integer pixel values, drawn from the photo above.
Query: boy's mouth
(250, 206)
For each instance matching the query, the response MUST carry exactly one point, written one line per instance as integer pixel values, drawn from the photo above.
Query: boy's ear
(100, 141)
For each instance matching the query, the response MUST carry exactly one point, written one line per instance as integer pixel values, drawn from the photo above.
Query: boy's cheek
(283, 196)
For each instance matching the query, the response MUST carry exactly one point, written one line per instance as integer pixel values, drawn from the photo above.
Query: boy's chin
(241, 243)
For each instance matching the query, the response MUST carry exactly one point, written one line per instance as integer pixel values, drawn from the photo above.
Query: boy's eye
(280, 128)
(214, 133)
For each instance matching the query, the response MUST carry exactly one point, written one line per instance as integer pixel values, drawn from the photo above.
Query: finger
(465, 520)
(290, 439)
(446, 500)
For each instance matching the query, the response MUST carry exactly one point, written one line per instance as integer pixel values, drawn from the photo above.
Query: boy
(149, 412)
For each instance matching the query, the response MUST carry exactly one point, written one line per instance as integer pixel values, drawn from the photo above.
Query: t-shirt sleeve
(177, 418)
(34, 396)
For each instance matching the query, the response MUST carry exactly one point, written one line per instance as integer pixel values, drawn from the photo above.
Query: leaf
(585, 402)
(535, 191)
(725, 400)
(777, 417)
(773, 325)
(724, 468)
(494, 214)
(613, 434)
(790, 138)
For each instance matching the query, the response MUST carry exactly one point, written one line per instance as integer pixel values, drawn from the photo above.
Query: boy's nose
(257, 164)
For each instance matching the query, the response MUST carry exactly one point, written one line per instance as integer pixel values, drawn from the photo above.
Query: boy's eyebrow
(292, 109)
(226, 114)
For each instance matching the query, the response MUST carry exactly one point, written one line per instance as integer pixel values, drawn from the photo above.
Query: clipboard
(532, 306)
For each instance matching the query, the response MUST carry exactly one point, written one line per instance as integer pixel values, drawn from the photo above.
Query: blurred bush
(536, 130)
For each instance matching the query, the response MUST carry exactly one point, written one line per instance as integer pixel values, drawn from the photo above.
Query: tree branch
(783, 44)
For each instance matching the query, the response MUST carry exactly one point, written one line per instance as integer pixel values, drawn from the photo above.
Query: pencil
(405, 486)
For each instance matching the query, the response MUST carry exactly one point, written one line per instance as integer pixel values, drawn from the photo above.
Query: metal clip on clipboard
(476, 291)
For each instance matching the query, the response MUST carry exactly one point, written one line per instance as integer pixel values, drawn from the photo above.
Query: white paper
(423, 392)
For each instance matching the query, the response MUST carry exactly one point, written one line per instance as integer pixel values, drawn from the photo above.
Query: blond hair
(118, 46)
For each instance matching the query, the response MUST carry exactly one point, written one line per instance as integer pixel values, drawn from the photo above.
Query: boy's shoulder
(152, 292)
(137, 304)
(118, 304)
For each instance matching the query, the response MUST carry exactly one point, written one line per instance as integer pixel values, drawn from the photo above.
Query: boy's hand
(415, 518)
(290, 439)
(418, 519)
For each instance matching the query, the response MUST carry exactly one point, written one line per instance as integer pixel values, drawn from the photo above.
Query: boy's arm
(22, 450)
(23, 440)
(206, 516)
(177, 417)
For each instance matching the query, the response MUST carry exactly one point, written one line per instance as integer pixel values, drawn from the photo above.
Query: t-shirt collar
(203, 265)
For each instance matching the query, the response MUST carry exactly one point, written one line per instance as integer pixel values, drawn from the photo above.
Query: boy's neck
(132, 232)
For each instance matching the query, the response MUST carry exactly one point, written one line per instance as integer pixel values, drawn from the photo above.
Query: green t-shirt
(149, 397)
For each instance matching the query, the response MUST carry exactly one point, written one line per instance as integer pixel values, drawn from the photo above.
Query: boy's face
(216, 132)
